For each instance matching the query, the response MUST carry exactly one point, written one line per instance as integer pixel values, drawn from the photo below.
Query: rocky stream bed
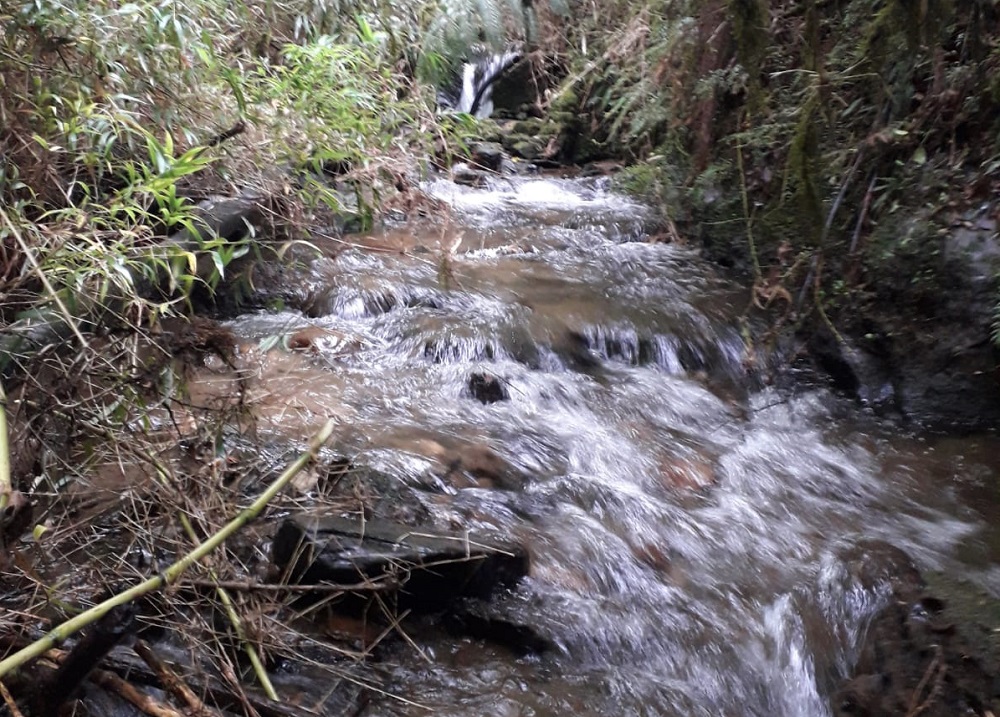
(565, 479)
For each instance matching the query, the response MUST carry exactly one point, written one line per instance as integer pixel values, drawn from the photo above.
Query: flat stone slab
(428, 570)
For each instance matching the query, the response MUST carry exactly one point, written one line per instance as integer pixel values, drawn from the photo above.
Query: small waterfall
(478, 77)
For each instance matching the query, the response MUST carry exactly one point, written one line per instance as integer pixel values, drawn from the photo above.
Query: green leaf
(365, 31)
(220, 265)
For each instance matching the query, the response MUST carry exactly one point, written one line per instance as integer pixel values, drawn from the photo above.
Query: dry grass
(112, 500)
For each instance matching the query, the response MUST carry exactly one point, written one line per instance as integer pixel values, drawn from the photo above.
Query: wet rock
(320, 340)
(428, 571)
(576, 350)
(686, 473)
(484, 467)
(487, 388)
(873, 563)
(861, 372)
(460, 462)
(479, 620)
(920, 343)
(468, 176)
(487, 155)
(917, 656)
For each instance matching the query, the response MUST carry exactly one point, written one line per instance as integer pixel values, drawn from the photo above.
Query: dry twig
(171, 680)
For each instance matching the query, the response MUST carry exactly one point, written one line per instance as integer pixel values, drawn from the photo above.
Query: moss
(489, 131)
(566, 101)
(534, 126)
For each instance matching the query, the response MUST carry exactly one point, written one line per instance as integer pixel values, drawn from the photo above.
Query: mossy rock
(590, 150)
(562, 118)
(529, 148)
(566, 101)
(489, 131)
(534, 126)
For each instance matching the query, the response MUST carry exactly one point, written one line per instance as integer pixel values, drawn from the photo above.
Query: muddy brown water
(691, 531)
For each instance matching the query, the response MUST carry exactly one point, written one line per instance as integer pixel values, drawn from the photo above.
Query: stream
(694, 533)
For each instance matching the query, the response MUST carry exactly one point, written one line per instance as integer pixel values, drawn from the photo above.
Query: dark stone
(487, 155)
(429, 570)
(520, 85)
(476, 620)
(575, 349)
(919, 341)
(861, 372)
(466, 175)
(487, 388)
(336, 167)
(230, 218)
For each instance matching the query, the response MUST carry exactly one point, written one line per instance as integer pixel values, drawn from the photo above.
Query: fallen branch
(8, 700)
(171, 681)
(935, 670)
(218, 139)
(173, 573)
(5, 484)
(222, 696)
(76, 665)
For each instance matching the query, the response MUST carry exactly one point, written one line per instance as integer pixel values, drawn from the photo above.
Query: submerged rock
(469, 176)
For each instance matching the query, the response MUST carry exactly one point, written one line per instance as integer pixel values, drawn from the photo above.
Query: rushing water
(693, 534)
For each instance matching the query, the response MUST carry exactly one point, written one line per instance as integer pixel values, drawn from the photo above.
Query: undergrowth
(792, 130)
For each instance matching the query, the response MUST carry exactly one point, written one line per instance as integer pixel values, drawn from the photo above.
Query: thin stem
(746, 212)
(5, 484)
(30, 256)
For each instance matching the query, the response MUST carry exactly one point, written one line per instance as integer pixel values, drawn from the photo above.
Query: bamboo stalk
(227, 603)
(171, 574)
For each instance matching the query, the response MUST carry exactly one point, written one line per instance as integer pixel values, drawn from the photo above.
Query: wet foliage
(794, 140)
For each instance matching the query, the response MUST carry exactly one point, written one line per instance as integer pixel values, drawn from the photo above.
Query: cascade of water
(477, 83)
